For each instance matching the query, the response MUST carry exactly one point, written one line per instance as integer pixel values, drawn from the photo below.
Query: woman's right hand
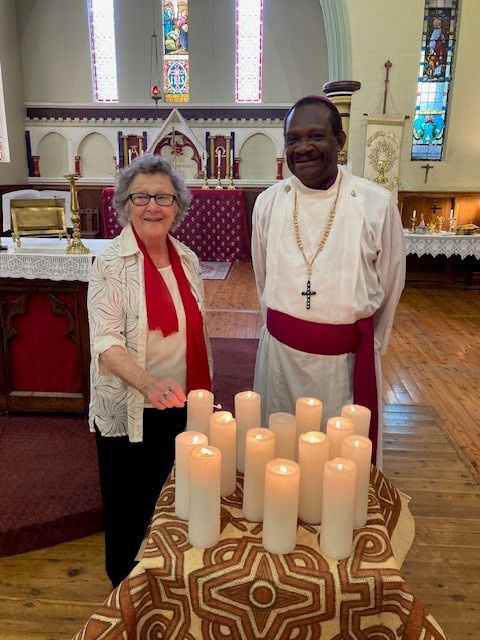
(165, 393)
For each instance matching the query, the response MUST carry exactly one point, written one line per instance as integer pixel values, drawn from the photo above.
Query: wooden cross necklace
(298, 239)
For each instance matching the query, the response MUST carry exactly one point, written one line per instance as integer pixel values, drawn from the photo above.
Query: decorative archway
(339, 44)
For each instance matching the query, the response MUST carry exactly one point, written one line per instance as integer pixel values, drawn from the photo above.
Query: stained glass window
(175, 60)
(436, 57)
(248, 51)
(102, 48)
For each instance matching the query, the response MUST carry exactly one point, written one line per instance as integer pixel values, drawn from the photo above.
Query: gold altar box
(467, 229)
(42, 217)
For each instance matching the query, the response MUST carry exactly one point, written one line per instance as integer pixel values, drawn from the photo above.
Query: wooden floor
(432, 452)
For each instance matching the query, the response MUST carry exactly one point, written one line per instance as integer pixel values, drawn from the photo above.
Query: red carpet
(49, 491)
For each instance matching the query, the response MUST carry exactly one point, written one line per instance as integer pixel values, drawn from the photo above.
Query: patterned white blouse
(118, 316)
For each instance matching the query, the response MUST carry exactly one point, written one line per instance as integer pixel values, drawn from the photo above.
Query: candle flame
(352, 408)
(283, 469)
(311, 401)
(356, 443)
(195, 439)
(340, 466)
(312, 438)
(206, 452)
(249, 394)
(258, 436)
(200, 394)
(338, 424)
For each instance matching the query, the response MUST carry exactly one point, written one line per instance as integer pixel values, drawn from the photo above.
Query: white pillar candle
(280, 514)
(247, 415)
(204, 464)
(260, 449)
(359, 449)
(308, 414)
(336, 535)
(313, 453)
(337, 429)
(223, 435)
(184, 443)
(199, 410)
(451, 214)
(361, 418)
(284, 427)
(414, 215)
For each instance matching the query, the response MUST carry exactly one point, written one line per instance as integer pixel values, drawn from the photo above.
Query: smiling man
(328, 253)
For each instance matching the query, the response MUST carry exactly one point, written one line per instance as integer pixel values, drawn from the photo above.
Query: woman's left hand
(166, 393)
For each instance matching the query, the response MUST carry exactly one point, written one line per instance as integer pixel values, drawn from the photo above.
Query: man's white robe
(360, 272)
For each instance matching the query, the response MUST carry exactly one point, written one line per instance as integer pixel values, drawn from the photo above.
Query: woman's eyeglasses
(162, 199)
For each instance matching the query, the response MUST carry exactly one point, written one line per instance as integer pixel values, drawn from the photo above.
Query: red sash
(334, 340)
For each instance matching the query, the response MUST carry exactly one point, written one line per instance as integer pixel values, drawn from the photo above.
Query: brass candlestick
(205, 180)
(219, 182)
(414, 221)
(440, 221)
(76, 245)
(231, 185)
(452, 224)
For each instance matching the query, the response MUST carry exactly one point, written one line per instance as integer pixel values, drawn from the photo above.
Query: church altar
(45, 361)
(236, 589)
(45, 258)
(215, 225)
(447, 244)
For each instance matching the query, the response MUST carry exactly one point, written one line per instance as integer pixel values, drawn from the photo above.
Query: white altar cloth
(447, 244)
(45, 259)
(28, 194)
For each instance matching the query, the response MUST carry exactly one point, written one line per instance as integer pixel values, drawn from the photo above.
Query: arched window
(175, 42)
(102, 49)
(248, 50)
(438, 44)
(4, 152)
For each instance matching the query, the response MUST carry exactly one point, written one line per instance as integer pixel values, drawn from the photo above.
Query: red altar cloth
(215, 225)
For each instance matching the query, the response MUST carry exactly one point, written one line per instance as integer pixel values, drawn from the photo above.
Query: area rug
(49, 489)
(215, 270)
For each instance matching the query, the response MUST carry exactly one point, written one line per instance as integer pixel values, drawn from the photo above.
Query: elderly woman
(149, 347)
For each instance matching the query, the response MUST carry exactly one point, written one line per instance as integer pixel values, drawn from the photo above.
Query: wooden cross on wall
(435, 208)
(427, 168)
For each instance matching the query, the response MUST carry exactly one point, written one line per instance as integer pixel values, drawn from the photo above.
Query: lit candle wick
(338, 424)
(258, 436)
(206, 452)
(283, 469)
(356, 443)
(352, 408)
(340, 467)
(311, 401)
(195, 439)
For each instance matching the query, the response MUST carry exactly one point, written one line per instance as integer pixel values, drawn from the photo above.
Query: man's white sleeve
(390, 266)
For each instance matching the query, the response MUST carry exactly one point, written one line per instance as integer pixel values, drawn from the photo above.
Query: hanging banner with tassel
(382, 150)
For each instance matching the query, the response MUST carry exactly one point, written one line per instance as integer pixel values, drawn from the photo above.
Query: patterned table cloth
(45, 259)
(215, 225)
(447, 244)
(236, 590)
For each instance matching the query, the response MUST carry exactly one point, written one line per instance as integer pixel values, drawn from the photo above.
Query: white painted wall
(15, 171)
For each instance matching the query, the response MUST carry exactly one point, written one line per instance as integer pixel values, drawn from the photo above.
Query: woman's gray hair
(149, 163)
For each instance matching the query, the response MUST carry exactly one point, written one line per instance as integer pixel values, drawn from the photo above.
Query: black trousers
(132, 475)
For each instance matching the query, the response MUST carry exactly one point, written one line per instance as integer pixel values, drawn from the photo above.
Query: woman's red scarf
(161, 314)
